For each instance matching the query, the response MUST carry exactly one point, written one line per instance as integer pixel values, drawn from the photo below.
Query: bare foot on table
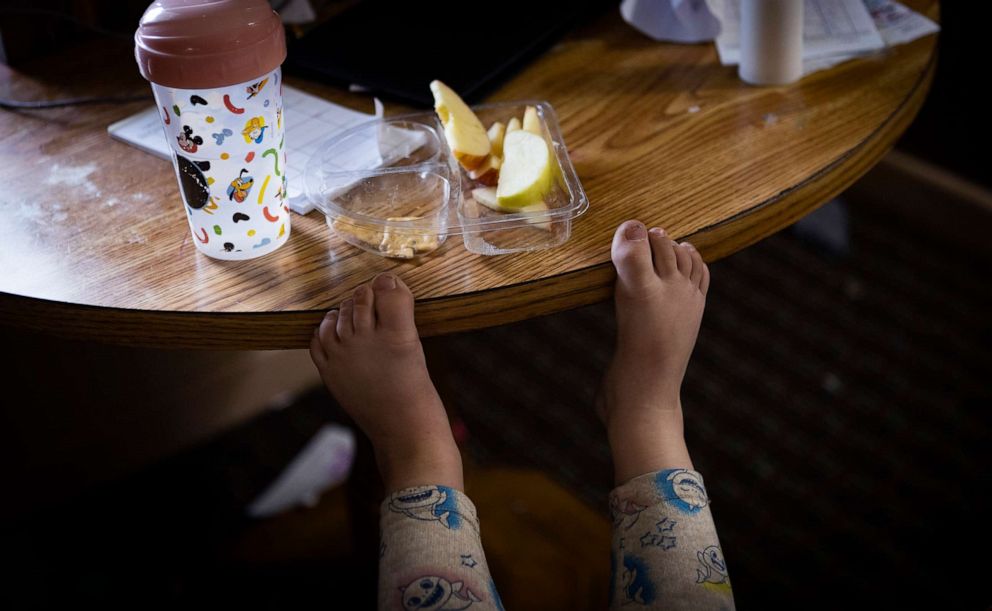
(660, 295)
(369, 355)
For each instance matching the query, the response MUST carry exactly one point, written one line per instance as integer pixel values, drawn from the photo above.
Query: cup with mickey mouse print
(214, 67)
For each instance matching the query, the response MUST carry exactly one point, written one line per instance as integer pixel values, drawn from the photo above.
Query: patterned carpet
(837, 405)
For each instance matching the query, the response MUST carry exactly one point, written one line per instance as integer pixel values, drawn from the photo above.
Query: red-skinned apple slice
(464, 132)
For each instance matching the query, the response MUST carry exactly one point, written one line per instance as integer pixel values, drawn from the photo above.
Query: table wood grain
(95, 245)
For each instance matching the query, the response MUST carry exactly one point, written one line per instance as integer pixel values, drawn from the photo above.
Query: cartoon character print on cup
(240, 187)
(196, 191)
(254, 130)
(224, 143)
(256, 88)
(187, 141)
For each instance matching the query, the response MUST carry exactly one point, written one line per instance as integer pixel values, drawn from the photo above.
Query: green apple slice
(526, 175)
(487, 197)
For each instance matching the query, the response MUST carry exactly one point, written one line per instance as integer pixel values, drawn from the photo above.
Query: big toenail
(384, 281)
(635, 231)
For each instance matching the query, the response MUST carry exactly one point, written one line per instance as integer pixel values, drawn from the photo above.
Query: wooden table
(94, 243)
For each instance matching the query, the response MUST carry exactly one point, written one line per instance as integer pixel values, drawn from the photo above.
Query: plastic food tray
(392, 186)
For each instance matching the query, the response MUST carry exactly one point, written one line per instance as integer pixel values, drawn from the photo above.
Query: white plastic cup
(214, 66)
(230, 159)
(771, 38)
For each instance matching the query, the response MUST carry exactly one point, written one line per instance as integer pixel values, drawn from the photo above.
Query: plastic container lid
(393, 187)
(196, 44)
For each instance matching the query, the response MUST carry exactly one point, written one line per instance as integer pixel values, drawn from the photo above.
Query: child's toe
(393, 304)
(327, 332)
(696, 275)
(662, 253)
(364, 315)
(684, 257)
(631, 254)
(317, 354)
(346, 315)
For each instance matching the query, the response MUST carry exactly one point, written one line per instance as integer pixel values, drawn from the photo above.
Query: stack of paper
(834, 30)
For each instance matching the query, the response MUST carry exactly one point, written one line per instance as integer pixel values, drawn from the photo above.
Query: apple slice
(487, 197)
(526, 175)
(488, 172)
(533, 209)
(462, 129)
(496, 133)
(512, 125)
(531, 122)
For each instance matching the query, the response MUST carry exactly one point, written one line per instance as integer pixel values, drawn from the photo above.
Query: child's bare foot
(660, 295)
(370, 357)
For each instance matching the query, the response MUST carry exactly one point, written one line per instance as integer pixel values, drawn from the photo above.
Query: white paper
(309, 122)
(687, 21)
(898, 24)
(830, 27)
(324, 462)
(835, 31)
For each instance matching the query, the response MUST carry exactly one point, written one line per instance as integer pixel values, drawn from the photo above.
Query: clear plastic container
(391, 186)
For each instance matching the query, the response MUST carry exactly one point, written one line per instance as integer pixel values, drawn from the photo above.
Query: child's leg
(660, 295)
(369, 355)
(665, 549)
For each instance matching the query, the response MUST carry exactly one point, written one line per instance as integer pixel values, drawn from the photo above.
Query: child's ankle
(651, 441)
(433, 463)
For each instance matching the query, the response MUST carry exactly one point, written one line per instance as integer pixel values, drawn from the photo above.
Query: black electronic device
(395, 49)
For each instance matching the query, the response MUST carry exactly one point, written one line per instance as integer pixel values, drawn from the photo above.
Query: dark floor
(837, 404)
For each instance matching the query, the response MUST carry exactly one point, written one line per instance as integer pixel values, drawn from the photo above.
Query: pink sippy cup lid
(196, 44)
